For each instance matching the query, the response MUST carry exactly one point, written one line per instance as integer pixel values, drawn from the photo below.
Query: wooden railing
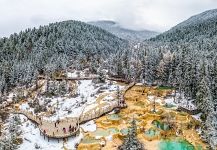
(191, 112)
(40, 121)
(95, 113)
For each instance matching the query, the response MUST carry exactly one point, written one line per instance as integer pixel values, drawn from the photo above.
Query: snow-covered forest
(51, 48)
(184, 58)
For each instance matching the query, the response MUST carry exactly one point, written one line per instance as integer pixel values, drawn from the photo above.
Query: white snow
(188, 104)
(67, 107)
(170, 101)
(197, 116)
(89, 126)
(71, 74)
(108, 98)
(85, 101)
(31, 136)
(75, 73)
(24, 106)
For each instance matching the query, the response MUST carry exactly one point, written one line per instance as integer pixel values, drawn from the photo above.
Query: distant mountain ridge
(128, 34)
(203, 25)
(199, 18)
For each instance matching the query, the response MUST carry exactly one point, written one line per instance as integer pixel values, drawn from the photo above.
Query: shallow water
(124, 131)
(175, 145)
(113, 130)
(161, 125)
(114, 117)
(101, 132)
(89, 140)
(151, 133)
(169, 105)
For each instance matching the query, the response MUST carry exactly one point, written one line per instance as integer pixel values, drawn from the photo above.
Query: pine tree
(101, 75)
(131, 142)
(10, 141)
(204, 96)
(214, 81)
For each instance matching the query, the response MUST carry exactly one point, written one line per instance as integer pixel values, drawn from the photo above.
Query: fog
(157, 15)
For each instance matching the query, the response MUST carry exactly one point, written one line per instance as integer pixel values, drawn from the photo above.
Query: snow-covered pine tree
(204, 96)
(214, 80)
(10, 141)
(101, 75)
(131, 142)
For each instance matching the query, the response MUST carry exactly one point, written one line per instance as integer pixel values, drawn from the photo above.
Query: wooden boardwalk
(71, 126)
(189, 111)
(51, 128)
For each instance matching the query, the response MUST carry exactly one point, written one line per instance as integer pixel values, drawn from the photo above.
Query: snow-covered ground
(80, 74)
(89, 126)
(87, 94)
(31, 137)
(84, 101)
(183, 102)
(197, 116)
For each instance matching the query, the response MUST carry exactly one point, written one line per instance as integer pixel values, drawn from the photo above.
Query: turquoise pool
(151, 133)
(161, 125)
(114, 117)
(175, 145)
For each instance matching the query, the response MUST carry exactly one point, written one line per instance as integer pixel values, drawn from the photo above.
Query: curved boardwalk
(189, 111)
(70, 126)
(51, 128)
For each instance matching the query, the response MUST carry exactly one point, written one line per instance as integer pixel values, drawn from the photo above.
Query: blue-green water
(124, 131)
(151, 132)
(161, 125)
(113, 130)
(169, 105)
(89, 140)
(114, 117)
(101, 132)
(175, 145)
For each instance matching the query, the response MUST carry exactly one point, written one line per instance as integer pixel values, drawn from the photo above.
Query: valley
(99, 120)
(97, 85)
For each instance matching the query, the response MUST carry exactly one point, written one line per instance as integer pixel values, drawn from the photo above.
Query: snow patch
(89, 126)
(32, 137)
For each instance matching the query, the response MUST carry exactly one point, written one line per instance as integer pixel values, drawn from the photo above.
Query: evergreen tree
(101, 75)
(131, 142)
(10, 141)
(204, 95)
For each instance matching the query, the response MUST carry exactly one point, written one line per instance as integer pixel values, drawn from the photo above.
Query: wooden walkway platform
(71, 126)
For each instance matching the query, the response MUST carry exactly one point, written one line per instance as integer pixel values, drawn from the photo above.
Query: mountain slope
(200, 26)
(193, 44)
(52, 48)
(131, 35)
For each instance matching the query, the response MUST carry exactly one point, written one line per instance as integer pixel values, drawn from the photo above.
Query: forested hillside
(185, 57)
(54, 47)
(198, 28)
(131, 35)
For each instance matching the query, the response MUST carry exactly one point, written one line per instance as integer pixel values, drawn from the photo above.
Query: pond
(113, 130)
(177, 144)
(124, 131)
(161, 125)
(114, 117)
(151, 133)
(169, 105)
(89, 140)
(101, 132)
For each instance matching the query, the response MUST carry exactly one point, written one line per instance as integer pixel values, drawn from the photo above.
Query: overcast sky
(158, 15)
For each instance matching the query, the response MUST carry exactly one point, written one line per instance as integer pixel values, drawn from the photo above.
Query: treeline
(54, 47)
(185, 58)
